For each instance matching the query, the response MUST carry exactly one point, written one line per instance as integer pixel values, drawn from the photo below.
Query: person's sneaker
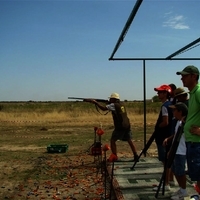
(167, 188)
(176, 192)
(178, 195)
(195, 197)
(112, 158)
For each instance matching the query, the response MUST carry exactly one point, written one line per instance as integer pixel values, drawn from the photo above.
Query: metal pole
(144, 91)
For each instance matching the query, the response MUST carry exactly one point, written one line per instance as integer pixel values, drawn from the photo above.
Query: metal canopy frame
(170, 57)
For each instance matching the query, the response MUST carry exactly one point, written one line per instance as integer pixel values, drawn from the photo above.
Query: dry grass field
(28, 171)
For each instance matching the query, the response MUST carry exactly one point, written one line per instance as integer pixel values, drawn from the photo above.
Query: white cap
(114, 96)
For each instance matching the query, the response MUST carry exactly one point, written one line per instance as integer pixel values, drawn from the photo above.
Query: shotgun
(170, 158)
(148, 144)
(89, 99)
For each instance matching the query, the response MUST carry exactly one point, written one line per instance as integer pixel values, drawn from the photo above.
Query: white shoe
(195, 197)
(178, 195)
(167, 188)
(176, 192)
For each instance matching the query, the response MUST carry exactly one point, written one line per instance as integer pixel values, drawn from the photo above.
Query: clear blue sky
(50, 50)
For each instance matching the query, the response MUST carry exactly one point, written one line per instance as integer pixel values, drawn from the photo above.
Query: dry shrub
(139, 119)
(72, 117)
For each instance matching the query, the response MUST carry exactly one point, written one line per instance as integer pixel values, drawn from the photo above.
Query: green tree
(155, 98)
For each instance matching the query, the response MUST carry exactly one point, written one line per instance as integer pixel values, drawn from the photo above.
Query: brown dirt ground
(32, 173)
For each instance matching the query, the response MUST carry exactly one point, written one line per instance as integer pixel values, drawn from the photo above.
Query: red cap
(166, 88)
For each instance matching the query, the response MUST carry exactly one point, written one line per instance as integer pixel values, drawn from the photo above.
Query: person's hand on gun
(90, 101)
(96, 103)
(165, 142)
(168, 153)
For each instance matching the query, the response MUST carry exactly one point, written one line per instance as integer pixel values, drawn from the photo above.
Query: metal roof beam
(126, 27)
(155, 59)
(184, 48)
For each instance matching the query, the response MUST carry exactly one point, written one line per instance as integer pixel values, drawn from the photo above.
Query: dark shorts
(193, 160)
(123, 135)
(178, 165)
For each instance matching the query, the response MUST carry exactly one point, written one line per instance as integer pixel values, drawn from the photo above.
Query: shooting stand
(108, 187)
(96, 150)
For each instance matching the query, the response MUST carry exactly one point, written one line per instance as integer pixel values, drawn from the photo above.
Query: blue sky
(50, 50)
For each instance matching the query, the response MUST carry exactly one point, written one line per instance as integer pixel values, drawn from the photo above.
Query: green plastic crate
(57, 148)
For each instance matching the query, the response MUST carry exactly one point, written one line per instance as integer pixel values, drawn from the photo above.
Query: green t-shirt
(193, 117)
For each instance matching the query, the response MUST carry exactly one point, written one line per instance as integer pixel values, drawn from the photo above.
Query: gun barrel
(76, 98)
(87, 99)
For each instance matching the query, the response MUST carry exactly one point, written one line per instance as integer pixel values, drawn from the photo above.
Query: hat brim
(182, 73)
(180, 94)
(159, 89)
(112, 97)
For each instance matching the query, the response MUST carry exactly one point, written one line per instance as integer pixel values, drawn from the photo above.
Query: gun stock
(148, 144)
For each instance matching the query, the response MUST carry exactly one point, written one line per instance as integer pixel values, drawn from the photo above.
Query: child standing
(180, 111)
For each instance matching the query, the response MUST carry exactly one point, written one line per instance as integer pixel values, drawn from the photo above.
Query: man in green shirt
(190, 77)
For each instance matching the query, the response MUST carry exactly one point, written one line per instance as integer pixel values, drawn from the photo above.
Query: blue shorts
(193, 160)
(161, 152)
(123, 135)
(178, 165)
